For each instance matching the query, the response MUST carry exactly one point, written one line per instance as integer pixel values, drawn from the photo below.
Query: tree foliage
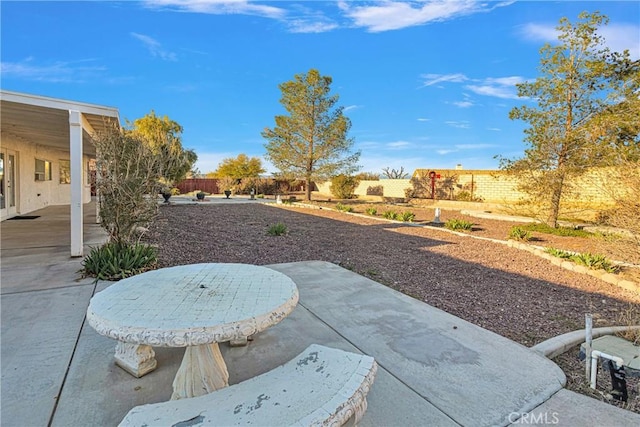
(240, 167)
(581, 82)
(164, 138)
(127, 184)
(311, 141)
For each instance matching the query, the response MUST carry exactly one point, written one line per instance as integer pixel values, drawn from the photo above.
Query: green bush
(115, 261)
(407, 216)
(559, 253)
(372, 211)
(343, 208)
(558, 231)
(389, 214)
(277, 229)
(458, 224)
(518, 233)
(593, 261)
(343, 186)
(466, 196)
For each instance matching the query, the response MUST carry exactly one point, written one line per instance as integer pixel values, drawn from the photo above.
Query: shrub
(557, 231)
(115, 261)
(594, 261)
(343, 208)
(518, 233)
(343, 186)
(466, 196)
(389, 214)
(407, 216)
(277, 229)
(458, 224)
(372, 211)
(559, 253)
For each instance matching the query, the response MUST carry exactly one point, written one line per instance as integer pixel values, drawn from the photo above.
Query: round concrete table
(195, 306)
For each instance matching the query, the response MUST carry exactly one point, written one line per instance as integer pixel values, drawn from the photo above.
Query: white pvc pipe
(594, 364)
(588, 319)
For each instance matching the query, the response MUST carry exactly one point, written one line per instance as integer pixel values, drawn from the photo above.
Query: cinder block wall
(492, 186)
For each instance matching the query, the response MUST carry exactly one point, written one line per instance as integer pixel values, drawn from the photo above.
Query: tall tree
(311, 142)
(576, 83)
(240, 167)
(164, 137)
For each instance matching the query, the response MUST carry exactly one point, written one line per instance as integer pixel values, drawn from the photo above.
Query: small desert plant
(277, 229)
(372, 211)
(557, 231)
(458, 224)
(344, 208)
(520, 234)
(407, 216)
(389, 214)
(115, 261)
(594, 261)
(559, 253)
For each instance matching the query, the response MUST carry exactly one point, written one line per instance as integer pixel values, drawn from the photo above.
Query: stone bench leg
(202, 371)
(136, 359)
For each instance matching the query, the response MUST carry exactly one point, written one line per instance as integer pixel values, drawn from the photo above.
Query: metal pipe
(595, 354)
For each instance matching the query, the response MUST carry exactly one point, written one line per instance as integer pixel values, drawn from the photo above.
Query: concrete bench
(321, 386)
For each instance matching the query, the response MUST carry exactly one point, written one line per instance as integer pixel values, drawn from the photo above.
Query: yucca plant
(389, 214)
(277, 229)
(372, 211)
(458, 224)
(518, 233)
(344, 208)
(115, 261)
(407, 216)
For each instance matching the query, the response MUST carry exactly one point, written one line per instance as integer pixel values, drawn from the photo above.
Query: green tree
(128, 173)
(239, 167)
(164, 138)
(577, 82)
(311, 141)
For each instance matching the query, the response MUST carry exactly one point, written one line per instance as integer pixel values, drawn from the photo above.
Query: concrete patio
(434, 368)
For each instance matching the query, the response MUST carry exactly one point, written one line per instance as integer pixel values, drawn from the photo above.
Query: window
(43, 170)
(65, 172)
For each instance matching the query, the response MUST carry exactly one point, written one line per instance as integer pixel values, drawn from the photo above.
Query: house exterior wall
(32, 195)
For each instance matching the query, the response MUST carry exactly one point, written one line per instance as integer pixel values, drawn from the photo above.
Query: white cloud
(431, 79)
(398, 144)
(394, 15)
(463, 104)
(443, 151)
(618, 37)
(423, 119)
(154, 47)
(458, 124)
(351, 107)
(539, 32)
(305, 26)
(495, 129)
(500, 87)
(218, 7)
(57, 72)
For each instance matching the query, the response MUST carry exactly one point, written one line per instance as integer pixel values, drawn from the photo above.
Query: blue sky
(426, 84)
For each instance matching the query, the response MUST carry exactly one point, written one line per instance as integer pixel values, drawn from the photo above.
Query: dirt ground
(509, 291)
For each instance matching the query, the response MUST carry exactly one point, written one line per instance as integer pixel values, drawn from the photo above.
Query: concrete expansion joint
(611, 278)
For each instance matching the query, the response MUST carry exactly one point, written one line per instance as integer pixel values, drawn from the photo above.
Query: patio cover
(65, 125)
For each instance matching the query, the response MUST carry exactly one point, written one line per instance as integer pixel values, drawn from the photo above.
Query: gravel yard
(508, 291)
